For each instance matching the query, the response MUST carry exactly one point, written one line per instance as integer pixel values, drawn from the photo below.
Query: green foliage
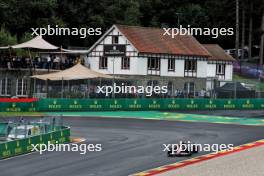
(19, 16)
(193, 15)
(6, 38)
(131, 15)
(26, 37)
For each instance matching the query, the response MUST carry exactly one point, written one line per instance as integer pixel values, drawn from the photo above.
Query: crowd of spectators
(48, 62)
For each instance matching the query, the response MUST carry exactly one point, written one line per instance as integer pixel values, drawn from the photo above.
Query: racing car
(182, 149)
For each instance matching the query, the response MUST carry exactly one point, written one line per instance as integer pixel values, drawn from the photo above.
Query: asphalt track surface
(129, 146)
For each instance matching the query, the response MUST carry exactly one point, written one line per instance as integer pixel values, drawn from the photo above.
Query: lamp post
(113, 62)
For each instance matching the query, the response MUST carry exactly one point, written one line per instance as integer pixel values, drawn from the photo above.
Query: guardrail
(22, 146)
(132, 104)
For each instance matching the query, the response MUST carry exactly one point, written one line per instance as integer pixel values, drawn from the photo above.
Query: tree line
(18, 16)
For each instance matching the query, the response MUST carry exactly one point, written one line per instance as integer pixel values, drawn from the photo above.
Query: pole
(47, 87)
(62, 87)
(34, 87)
(261, 52)
(113, 94)
(243, 34)
(250, 31)
(68, 85)
(237, 29)
(235, 89)
(89, 83)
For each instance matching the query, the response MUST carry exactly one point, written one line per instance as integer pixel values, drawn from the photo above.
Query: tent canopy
(4, 47)
(237, 90)
(74, 73)
(35, 43)
(233, 86)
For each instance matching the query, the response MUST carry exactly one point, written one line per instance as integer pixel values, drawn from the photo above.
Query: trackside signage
(131, 104)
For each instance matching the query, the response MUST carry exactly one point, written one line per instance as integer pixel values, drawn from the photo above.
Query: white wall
(229, 72)
(179, 68)
(202, 69)
(211, 70)
(141, 64)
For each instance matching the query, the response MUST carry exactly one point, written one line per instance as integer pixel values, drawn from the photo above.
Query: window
(171, 64)
(189, 89)
(21, 87)
(220, 69)
(5, 87)
(125, 63)
(153, 63)
(190, 68)
(153, 66)
(115, 39)
(103, 62)
(190, 65)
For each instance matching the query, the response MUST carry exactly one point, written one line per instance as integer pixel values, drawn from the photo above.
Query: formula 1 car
(183, 149)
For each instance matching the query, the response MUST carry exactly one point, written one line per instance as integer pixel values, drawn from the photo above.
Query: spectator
(49, 62)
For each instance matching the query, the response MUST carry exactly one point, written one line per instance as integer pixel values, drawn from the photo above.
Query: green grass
(155, 115)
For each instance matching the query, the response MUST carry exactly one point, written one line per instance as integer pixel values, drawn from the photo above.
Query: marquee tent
(237, 90)
(36, 43)
(76, 72)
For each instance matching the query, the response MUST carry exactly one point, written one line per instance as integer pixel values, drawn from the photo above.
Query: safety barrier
(18, 106)
(146, 104)
(21, 146)
(132, 104)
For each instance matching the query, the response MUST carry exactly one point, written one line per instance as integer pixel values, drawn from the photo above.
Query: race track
(129, 146)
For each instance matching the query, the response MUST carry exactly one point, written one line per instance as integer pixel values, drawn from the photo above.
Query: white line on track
(22, 155)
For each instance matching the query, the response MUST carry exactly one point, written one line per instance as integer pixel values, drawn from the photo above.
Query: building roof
(151, 40)
(217, 53)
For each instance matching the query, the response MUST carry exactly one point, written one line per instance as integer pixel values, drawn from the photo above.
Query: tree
(6, 38)
(250, 30)
(131, 15)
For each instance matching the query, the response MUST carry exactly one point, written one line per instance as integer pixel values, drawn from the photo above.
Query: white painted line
(13, 157)
(22, 155)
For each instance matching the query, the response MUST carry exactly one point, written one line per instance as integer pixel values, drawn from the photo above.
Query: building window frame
(153, 66)
(103, 62)
(21, 87)
(5, 87)
(125, 63)
(190, 67)
(171, 64)
(153, 63)
(115, 39)
(220, 70)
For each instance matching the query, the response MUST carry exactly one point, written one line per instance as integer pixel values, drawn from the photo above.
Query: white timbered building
(145, 56)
